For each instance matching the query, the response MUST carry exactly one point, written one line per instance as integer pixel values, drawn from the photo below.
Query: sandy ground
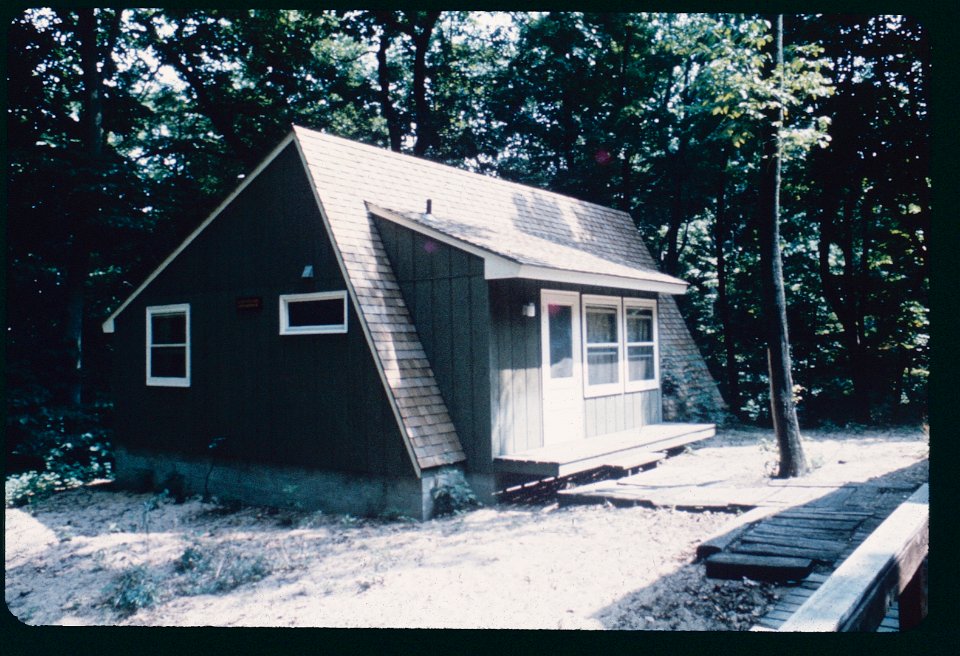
(596, 567)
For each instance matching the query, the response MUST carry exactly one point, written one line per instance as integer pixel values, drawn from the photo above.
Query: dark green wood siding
(515, 360)
(306, 400)
(446, 294)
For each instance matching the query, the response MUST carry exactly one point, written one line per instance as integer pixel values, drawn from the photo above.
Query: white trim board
(317, 329)
(108, 325)
(496, 266)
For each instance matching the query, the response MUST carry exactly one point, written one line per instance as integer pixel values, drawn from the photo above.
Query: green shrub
(72, 445)
(211, 569)
(132, 590)
(21, 489)
(453, 497)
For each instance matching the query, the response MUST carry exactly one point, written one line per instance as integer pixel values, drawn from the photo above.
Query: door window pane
(560, 318)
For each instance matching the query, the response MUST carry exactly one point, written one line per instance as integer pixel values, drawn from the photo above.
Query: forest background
(126, 127)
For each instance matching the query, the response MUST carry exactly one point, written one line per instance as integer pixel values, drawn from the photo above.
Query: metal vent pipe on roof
(428, 215)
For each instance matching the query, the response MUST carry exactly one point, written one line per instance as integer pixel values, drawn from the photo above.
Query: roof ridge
(406, 157)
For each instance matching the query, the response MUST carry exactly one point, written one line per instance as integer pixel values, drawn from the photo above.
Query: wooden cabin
(353, 329)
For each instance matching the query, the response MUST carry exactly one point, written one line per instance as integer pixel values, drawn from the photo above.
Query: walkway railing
(888, 565)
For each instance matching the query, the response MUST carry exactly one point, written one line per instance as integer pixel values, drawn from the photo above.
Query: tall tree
(783, 410)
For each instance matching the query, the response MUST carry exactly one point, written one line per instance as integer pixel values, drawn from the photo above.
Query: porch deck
(625, 450)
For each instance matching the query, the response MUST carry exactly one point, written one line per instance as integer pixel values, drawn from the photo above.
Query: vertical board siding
(304, 400)
(446, 294)
(619, 412)
(515, 355)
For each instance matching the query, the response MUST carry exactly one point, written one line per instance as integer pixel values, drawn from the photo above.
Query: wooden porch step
(632, 460)
(676, 441)
(757, 567)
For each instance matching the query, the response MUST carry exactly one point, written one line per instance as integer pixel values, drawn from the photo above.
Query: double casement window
(313, 314)
(619, 345)
(168, 345)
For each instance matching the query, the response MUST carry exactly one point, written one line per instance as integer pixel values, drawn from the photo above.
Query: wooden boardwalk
(791, 533)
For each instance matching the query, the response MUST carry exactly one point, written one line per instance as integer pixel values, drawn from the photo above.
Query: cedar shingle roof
(514, 241)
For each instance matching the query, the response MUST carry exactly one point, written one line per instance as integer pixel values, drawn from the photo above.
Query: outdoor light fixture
(307, 271)
(529, 309)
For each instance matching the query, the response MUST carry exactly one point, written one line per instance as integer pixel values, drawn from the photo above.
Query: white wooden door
(561, 367)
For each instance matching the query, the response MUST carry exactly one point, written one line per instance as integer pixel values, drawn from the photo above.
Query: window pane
(603, 365)
(560, 323)
(601, 325)
(168, 362)
(326, 312)
(169, 328)
(639, 325)
(640, 363)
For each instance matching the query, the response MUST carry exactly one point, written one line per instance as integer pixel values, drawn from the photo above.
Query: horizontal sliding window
(168, 345)
(312, 314)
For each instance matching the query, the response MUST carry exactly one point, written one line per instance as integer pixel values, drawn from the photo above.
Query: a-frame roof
(538, 234)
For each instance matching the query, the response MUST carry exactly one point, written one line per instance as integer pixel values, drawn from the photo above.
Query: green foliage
(132, 590)
(209, 568)
(453, 497)
(54, 449)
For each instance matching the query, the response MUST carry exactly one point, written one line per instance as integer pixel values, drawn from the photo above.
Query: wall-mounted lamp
(307, 271)
(529, 309)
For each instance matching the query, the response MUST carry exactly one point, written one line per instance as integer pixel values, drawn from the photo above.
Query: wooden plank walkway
(886, 565)
(858, 516)
(635, 491)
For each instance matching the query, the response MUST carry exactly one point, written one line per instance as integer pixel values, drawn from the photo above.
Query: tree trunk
(720, 229)
(421, 42)
(671, 259)
(783, 410)
(386, 103)
(78, 264)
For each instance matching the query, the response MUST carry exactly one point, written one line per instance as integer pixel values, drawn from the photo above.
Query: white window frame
(167, 381)
(287, 329)
(641, 385)
(604, 389)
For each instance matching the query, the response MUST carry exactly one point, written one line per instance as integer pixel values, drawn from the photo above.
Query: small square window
(313, 314)
(168, 345)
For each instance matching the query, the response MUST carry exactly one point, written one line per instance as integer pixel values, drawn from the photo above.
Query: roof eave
(498, 267)
(531, 272)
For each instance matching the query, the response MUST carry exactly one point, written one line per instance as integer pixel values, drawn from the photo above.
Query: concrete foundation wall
(285, 487)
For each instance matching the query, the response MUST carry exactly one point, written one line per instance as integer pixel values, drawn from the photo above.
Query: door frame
(574, 384)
